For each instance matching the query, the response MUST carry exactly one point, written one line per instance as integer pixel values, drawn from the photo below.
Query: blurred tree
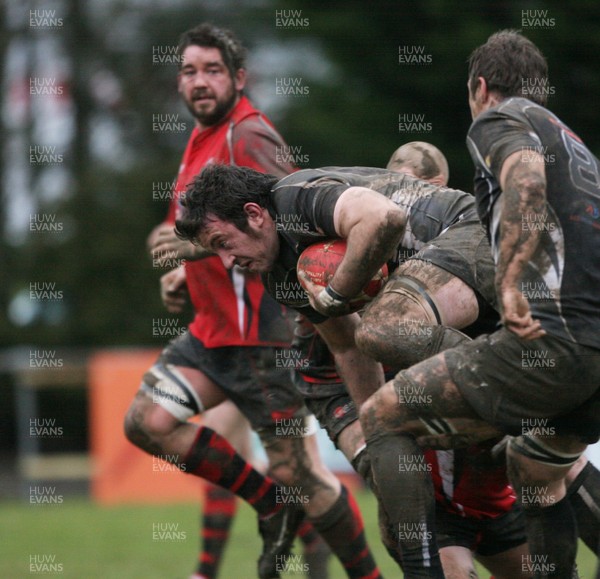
(347, 58)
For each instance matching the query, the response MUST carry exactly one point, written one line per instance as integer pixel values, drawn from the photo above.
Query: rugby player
(248, 227)
(476, 514)
(536, 187)
(232, 346)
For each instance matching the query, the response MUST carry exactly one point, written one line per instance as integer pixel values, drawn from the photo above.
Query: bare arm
(361, 375)
(373, 227)
(524, 197)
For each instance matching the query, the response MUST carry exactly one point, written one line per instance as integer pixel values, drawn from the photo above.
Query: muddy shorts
(330, 403)
(464, 251)
(250, 377)
(517, 384)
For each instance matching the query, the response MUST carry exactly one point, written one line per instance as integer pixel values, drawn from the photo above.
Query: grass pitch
(80, 540)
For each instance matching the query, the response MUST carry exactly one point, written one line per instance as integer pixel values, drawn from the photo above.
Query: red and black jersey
(232, 307)
(470, 483)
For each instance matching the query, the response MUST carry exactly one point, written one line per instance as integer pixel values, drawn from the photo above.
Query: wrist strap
(332, 293)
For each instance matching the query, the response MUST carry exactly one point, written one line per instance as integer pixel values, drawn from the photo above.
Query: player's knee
(134, 420)
(290, 468)
(537, 483)
(165, 400)
(146, 421)
(377, 408)
(457, 563)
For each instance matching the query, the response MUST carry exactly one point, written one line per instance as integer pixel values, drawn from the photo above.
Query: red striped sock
(342, 527)
(212, 458)
(316, 552)
(219, 509)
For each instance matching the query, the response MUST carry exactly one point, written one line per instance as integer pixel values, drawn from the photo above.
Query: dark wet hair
(222, 191)
(506, 61)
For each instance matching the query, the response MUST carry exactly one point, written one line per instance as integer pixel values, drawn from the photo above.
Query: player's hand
(321, 301)
(173, 290)
(516, 315)
(164, 246)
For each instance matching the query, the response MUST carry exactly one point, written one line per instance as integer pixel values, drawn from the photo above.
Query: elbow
(393, 226)
(395, 219)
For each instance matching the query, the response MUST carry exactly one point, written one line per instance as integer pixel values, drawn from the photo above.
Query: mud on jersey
(303, 206)
(562, 278)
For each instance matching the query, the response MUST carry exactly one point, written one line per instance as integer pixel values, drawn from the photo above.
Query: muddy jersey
(562, 278)
(304, 202)
(231, 307)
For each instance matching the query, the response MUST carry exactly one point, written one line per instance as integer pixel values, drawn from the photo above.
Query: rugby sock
(211, 457)
(362, 465)
(343, 530)
(316, 552)
(584, 495)
(552, 537)
(405, 489)
(219, 509)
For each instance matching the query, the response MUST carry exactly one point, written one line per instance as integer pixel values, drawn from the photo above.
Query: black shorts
(515, 384)
(464, 251)
(330, 402)
(248, 375)
(484, 537)
(334, 408)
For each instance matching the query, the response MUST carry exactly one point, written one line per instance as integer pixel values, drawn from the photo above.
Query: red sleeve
(256, 144)
(170, 218)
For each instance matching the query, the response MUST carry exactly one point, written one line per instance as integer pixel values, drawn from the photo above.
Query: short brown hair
(509, 62)
(208, 35)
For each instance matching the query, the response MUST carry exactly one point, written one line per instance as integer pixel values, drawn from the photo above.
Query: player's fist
(516, 315)
(173, 290)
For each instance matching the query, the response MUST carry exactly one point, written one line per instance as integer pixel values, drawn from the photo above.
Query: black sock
(584, 495)
(552, 537)
(218, 512)
(405, 489)
(362, 465)
(212, 458)
(316, 551)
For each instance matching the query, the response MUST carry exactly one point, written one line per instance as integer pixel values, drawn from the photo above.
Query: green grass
(92, 542)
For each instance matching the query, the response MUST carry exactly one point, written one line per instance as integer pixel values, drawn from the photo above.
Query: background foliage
(347, 56)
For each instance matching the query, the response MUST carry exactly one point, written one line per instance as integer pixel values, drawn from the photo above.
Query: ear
(239, 79)
(482, 94)
(254, 213)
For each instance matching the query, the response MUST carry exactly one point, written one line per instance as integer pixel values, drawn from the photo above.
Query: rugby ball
(320, 261)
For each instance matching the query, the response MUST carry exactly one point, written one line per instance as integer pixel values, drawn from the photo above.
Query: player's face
(255, 249)
(206, 86)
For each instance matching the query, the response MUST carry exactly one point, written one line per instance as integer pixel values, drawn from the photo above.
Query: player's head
(211, 72)
(226, 209)
(422, 160)
(507, 65)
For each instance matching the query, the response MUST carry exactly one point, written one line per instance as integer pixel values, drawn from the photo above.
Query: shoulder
(509, 111)
(254, 125)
